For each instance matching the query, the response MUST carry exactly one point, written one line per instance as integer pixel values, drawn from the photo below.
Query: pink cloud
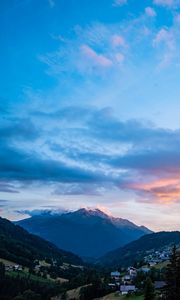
(119, 2)
(104, 209)
(165, 190)
(119, 57)
(177, 18)
(118, 40)
(150, 12)
(96, 58)
(164, 36)
(164, 2)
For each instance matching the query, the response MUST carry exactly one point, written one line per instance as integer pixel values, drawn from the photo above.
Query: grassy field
(117, 296)
(7, 262)
(74, 294)
(161, 265)
(61, 280)
(24, 274)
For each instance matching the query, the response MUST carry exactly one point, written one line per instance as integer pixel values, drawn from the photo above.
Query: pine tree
(178, 274)
(149, 292)
(2, 271)
(173, 276)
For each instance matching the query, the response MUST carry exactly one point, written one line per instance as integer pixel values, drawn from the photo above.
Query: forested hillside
(136, 250)
(17, 245)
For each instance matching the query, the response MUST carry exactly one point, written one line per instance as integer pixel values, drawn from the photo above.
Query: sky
(89, 108)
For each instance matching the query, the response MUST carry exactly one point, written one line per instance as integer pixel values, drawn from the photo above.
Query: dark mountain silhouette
(86, 232)
(19, 246)
(136, 250)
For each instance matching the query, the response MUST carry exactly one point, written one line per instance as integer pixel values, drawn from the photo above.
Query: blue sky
(89, 107)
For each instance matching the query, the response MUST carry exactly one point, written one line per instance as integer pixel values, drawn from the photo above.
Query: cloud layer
(86, 151)
(90, 108)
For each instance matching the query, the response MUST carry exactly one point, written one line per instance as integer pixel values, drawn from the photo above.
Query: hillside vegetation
(17, 245)
(136, 250)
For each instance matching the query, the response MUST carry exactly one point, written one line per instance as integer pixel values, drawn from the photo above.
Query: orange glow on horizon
(165, 190)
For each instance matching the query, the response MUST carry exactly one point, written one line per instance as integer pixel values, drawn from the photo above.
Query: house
(152, 263)
(127, 289)
(17, 268)
(159, 284)
(9, 267)
(132, 272)
(37, 268)
(115, 275)
(164, 256)
(126, 279)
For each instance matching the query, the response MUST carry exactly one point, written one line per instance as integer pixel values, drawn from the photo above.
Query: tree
(2, 271)
(18, 297)
(173, 276)
(64, 296)
(149, 292)
(30, 295)
(178, 275)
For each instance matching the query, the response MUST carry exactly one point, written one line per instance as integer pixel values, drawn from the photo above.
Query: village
(127, 281)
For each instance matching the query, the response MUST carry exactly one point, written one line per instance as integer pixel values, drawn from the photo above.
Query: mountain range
(90, 233)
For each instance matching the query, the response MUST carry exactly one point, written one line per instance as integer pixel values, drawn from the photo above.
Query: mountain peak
(78, 231)
(92, 212)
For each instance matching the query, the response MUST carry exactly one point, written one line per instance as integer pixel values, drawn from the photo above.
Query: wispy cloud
(169, 4)
(165, 38)
(97, 59)
(51, 3)
(118, 41)
(119, 2)
(164, 2)
(150, 11)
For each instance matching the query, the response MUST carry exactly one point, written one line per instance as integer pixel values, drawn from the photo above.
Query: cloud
(121, 150)
(3, 203)
(164, 36)
(167, 3)
(97, 59)
(6, 187)
(51, 3)
(119, 57)
(118, 41)
(87, 155)
(150, 11)
(164, 40)
(20, 128)
(166, 190)
(92, 189)
(43, 212)
(26, 166)
(119, 2)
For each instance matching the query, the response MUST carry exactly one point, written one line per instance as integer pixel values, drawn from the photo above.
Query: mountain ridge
(86, 232)
(20, 246)
(136, 250)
